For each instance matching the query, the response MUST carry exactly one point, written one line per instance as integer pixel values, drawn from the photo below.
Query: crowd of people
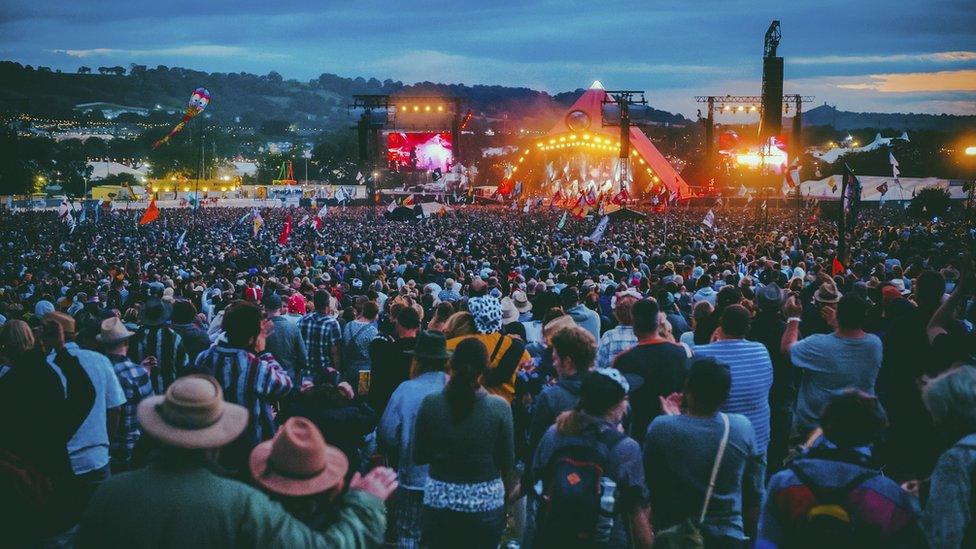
(485, 377)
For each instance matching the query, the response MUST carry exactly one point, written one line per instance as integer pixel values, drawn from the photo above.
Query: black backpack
(829, 523)
(571, 490)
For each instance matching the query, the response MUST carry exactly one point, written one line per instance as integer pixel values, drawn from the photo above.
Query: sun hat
(297, 461)
(521, 301)
(487, 314)
(192, 414)
(827, 293)
(430, 345)
(557, 324)
(770, 297)
(153, 313)
(66, 321)
(509, 312)
(296, 304)
(113, 331)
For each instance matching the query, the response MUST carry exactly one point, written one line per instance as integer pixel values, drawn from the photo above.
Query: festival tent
(428, 209)
(903, 188)
(624, 213)
(644, 155)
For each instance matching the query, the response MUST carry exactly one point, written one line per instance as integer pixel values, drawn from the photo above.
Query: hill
(826, 115)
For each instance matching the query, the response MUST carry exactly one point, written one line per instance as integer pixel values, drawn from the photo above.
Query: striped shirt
(252, 381)
(167, 346)
(612, 343)
(752, 377)
(321, 334)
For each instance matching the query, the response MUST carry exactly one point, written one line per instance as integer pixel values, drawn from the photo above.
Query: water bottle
(604, 522)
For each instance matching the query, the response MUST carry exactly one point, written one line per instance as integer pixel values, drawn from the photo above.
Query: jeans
(443, 528)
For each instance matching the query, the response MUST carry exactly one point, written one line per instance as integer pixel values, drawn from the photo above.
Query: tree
(120, 179)
(16, 176)
(84, 70)
(930, 202)
(274, 77)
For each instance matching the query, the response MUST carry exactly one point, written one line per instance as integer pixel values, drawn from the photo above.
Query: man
(134, 379)
(767, 328)
(248, 374)
(669, 306)
(662, 364)
(848, 357)
(395, 432)
(194, 337)
(581, 314)
(322, 337)
(621, 337)
(153, 338)
(391, 358)
(839, 471)
(180, 501)
(285, 342)
(449, 293)
(88, 448)
(751, 370)
(296, 308)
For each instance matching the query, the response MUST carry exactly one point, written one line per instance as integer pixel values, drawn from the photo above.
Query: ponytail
(468, 364)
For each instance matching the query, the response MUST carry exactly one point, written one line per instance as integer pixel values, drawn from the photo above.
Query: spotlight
(416, 108)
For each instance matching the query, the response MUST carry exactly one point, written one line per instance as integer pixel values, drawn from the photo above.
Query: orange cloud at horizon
(911, 82)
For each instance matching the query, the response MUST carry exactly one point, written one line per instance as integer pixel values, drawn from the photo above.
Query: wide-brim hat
(827, 293)
(430, 345)
(521, 300)
(153, 313)
(510, 312)
(769, 297)
(297, 461)
(192, 414)
(113, 331)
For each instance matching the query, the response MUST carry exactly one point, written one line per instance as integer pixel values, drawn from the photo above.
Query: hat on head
(430, 345)
(297, 461)
(557, 324)
(487, 314)
(192, 414)
(521, 301)
(168, 295)
(113, 331)
(629, 382)
(827, 293)
(252, 294)
(153, 313)
(770, 297)
(271, 301)
(296, 304)
(509, 312)
(43, 307)
(66, 321)
(357, 283)
(889, 293)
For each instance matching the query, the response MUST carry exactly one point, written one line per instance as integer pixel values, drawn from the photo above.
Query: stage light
(970, 151)
(586, 136)
(186, 189)
(223, 189)
(572, 136)
(521, 159)
(167, 190)
(552, 141)
(741, 108)
(416, 108)
(440, 108)
(562, 139)
(403, 108)
(539, 144)
(752, 108)
(426, 108)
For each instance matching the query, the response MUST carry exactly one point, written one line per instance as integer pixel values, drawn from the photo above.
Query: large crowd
(485, 377)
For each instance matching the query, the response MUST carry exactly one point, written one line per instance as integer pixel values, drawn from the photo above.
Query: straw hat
(827, 293)
(297, 461)
(192, 414)
(509, 312)
(521, 301)
(557, 324)
(113, 331)
(66, 321)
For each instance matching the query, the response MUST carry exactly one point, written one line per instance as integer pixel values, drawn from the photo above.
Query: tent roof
(591, 102)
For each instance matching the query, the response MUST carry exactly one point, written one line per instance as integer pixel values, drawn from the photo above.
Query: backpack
(572, 487)
(829, 523)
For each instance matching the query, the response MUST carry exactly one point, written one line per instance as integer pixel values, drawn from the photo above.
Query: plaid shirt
(135, 383)
(167, 346)
(321, 334)
(612, 343)
(252, 381)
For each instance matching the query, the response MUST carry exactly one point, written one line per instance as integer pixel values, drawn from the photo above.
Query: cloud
(201, 50)
(938, 57)
(915, 82)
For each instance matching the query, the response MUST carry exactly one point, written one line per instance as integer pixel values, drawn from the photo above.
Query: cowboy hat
(192, 414)
(153, 313)
(113, 331)
(827, 293)
(66, 321)
(297, 461)
(509, 312)
(521, 301)
(430, 345)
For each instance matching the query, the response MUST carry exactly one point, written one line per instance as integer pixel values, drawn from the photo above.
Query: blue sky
(894, 56)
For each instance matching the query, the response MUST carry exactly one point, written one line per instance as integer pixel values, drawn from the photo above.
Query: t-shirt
(506, 356)
(752, 378)
(88, 447)
(831, 364)
(664, 367)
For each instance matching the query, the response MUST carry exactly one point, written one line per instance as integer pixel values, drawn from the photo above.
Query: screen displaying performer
(420, 151)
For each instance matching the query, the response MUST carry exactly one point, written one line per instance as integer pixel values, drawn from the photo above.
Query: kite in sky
(199, 100)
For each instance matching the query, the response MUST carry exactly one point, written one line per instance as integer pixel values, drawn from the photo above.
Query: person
(449, 293)
(839, 470)
(581, 314)
(356, 337)
(248, 375)
(848, 357)
(184, 323)
(296, 308)
(154, 338)
(751, 369)
(323, 338)
(591, 429)
(285, 341)
(621, 337)
(465, 435)
(661, 364)
(134, 379)
(507, 355)
(682, 452)
(442, 312)
(391, 359)
(767, 327)
(395, 434)
(89, 447)
(573, 353)
(947, 515)
(180, 501)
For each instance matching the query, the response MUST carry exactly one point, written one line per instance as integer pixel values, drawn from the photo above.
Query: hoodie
(552, 401)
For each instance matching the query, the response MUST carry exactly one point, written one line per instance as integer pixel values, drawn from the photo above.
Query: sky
(894, 56)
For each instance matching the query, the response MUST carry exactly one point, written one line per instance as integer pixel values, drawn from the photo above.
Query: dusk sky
(894, 56)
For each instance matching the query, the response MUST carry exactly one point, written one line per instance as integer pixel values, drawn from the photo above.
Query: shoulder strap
(836, 495)
(718, 462)
(498, 347)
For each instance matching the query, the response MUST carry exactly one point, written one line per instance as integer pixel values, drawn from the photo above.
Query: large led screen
(419, 150)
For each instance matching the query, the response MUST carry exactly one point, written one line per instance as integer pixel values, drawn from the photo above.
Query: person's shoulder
(740, 423)
(662, 424)
(497, 404)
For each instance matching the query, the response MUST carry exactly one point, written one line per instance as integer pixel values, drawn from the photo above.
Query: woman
(459, 324)
(356, 336)
(465, 434)
(699, 314)
(947, 515)
(442, 313)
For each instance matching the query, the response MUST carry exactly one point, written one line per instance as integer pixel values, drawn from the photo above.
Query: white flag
(742, 190)
(391, 207)
(894, 165)
(601, 227)
(709, 220)
(181, 239)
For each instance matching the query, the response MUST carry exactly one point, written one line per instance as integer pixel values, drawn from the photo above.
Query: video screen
(420, 151)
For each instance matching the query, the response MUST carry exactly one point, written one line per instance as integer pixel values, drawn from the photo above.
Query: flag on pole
(601, 228)
(883, 189)
(792, 174)
(742, 190)
(894, 165)
(258, 223)
(709, 220)
(285, 231)
(152, 213)
(181, 239)
(557, 196)
(408, 201)
(391, 207)
(562, 220)
(837, 268)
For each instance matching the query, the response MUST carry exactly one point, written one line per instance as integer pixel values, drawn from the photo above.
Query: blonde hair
(16, 337)
(951, 399)
(459, 324)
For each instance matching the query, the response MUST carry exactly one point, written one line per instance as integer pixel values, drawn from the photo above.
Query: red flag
(838, 268)
(152, 212)
(506, 187)
(408, 201)
(556, 197)
(318, 223)
(285, 231)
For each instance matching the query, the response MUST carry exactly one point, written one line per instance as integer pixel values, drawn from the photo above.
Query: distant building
(110, 110)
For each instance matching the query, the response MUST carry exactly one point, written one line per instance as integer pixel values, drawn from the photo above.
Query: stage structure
(596, 146)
